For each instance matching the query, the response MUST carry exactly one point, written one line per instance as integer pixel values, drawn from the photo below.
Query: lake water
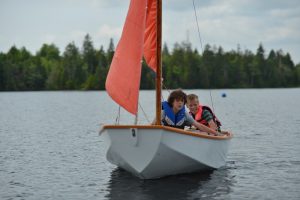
(50, 148)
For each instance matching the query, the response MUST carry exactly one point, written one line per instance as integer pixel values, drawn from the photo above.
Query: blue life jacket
(171, 119)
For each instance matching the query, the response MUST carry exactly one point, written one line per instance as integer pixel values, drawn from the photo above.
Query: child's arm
(212, 125)
(204, 128)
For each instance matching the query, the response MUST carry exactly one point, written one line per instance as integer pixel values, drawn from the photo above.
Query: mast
(158, 61)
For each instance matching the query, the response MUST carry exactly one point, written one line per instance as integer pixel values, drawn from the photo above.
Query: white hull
(156, 151)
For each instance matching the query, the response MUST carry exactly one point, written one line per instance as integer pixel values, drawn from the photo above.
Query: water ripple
(50, 148)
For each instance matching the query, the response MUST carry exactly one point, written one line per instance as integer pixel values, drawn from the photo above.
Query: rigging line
(144, 113)
(118, 116)
(199, 35)
(166, 89)
(211, 100)
(136, 118)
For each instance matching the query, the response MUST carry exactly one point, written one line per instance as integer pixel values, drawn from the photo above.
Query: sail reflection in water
(205, 185)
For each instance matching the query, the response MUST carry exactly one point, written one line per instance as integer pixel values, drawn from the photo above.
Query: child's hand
(225, 133)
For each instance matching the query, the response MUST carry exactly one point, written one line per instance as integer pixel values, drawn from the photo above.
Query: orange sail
(123, 79)
(150, 41)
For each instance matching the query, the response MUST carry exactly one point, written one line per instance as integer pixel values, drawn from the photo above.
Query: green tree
(89, 54)
(259, 72)
(73, 73)
(110, 51)
(48, 61)
(181, 67)
(2, 72)
(297, 71)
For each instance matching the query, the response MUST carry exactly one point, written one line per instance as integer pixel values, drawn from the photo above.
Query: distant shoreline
(183, 66)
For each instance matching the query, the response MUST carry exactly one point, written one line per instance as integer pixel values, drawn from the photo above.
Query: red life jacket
(198, 116)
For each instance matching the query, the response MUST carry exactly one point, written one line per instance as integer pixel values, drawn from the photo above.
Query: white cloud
(108, 3)
(224, 23)
(76, 35)
(49, 38)
(109, 31)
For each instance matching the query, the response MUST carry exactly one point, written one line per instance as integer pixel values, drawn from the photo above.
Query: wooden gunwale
(175, 130)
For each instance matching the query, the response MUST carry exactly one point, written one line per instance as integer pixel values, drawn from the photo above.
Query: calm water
(50, 148)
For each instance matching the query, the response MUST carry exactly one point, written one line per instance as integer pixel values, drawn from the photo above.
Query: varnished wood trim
(176, 130)
(158, 60)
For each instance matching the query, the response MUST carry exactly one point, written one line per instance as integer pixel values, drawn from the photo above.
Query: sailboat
(151, 151)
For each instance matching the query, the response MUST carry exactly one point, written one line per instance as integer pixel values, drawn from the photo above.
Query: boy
(174, 113)
(202, 114)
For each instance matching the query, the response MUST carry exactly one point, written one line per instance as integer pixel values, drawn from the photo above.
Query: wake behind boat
(151, 151)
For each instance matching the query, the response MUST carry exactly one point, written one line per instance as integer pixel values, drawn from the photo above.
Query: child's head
(192, 103)
(176, 95)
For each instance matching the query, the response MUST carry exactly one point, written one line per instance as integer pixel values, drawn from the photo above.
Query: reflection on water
(204, 185)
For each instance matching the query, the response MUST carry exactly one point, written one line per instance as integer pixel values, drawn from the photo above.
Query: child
(202, 114)
(174, 113)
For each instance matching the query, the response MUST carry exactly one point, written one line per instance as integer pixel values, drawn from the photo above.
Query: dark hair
(178, 95)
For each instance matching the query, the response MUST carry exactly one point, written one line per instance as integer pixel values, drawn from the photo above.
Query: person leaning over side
(202, 114)
(174, 114)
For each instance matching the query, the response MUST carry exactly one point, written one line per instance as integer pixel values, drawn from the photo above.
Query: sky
(225, 23)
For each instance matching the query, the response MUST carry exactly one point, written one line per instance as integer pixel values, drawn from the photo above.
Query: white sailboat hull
(156, 151)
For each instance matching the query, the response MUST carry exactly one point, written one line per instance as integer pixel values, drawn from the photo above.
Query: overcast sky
(226, 23)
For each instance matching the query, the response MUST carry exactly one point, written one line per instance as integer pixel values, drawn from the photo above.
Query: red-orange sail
(123, 79)
(150, 41)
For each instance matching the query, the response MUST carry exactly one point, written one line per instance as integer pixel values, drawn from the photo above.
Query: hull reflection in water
(211, 184)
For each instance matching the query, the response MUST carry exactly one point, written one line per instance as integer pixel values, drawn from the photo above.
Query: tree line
(183, 66)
